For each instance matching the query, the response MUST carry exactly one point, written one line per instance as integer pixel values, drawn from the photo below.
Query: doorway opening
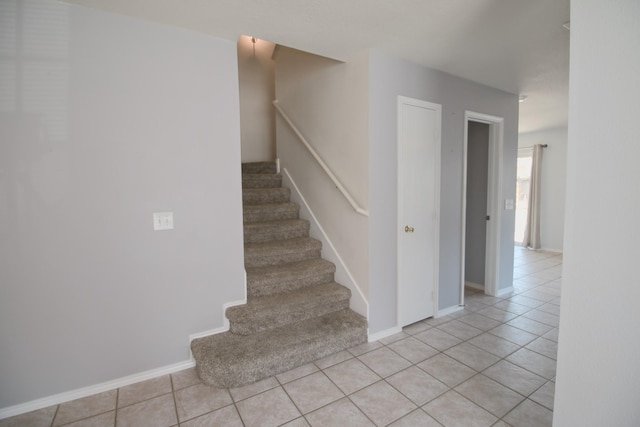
(481, 196)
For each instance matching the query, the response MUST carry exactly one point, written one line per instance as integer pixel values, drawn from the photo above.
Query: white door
(419, 125)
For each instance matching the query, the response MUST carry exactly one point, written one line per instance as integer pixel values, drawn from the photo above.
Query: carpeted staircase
(295, 312)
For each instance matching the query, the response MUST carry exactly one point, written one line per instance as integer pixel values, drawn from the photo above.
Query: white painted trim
(505, 291)
(473, 285)
(383, 334)
(358, 301)
(438, 159)
(278, 165)
(494, 200)
(449, 310)
(56, 399)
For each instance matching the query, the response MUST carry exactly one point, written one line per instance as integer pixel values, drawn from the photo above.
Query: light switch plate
(508, 204)
(162, 221)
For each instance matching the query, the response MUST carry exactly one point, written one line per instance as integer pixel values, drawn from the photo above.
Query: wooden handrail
(321, 162)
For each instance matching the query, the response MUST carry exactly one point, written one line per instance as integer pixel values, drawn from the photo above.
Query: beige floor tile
(545, 395)
(479, 321)
(550, 308)
(157, 412)
(241, 393)
(529, 325)
(454, 410)
(493, 344)
(103, 420)
(526, 301)
(539, 295)
(185, 378)
(85, 407)
(543, 317)
(497, 314)
(413, 350)
(334, 359)
(490, 395)
(437, 339)
(416, 328)
(298, 422)
(384, 362)
(340, 413)
(313, 391)
(271, 408)
(296, 373)
(417, 418)
(545, 347)
(143, 390)
(364, 348)
(471, 307)
(513, 334)
(417, 385)
(501, 424)
(199, 399)
(460, 330)
(552, 335)
(534, 362)
(435, 321)
(514, 377)
(40, 418)
(512, 307)
(448, 370)
(472, 356)
(382, 403)
(351, 375)
(393, 338)
(227, 417)
(529, 413)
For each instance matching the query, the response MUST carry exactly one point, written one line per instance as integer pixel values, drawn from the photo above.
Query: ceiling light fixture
(522, 98)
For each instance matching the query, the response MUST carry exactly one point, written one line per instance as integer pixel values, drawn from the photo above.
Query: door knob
(408, 229)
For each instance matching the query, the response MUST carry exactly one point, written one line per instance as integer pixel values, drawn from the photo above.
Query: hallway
(492, 363)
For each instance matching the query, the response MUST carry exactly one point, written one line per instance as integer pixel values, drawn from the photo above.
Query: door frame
(403, 100)
(494, 198)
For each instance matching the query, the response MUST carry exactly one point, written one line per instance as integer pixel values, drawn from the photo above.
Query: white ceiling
(518, 46)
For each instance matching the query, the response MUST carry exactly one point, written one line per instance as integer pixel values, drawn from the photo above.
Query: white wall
(257, 92)
(554, 176)
(327, 101)
(104, 120)
(598, 375)
(388, 78)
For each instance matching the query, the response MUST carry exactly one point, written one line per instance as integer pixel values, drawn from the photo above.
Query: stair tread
(257, 196)
(230, 360)
(271, 311)
(301, 267)
(299, 243)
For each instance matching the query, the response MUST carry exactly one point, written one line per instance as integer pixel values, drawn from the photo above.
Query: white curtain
(532, 228)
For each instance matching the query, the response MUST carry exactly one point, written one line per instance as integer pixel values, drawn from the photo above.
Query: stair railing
(321, 162)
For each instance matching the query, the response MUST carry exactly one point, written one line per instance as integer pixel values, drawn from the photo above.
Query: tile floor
(491, 364)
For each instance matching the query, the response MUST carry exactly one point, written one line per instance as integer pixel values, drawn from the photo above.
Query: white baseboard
(358, 302)
(474, 285)
(449, 310)
(56, 399)
(383, 334)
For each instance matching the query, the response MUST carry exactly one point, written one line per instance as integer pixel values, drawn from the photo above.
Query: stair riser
(303, 312)
(261, 181)
(266, 233)
(259, 167)
(264, 258)
(259, 287)
(257, 196)
(267, 213)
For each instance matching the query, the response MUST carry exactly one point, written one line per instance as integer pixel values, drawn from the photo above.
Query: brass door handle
(408, 229)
